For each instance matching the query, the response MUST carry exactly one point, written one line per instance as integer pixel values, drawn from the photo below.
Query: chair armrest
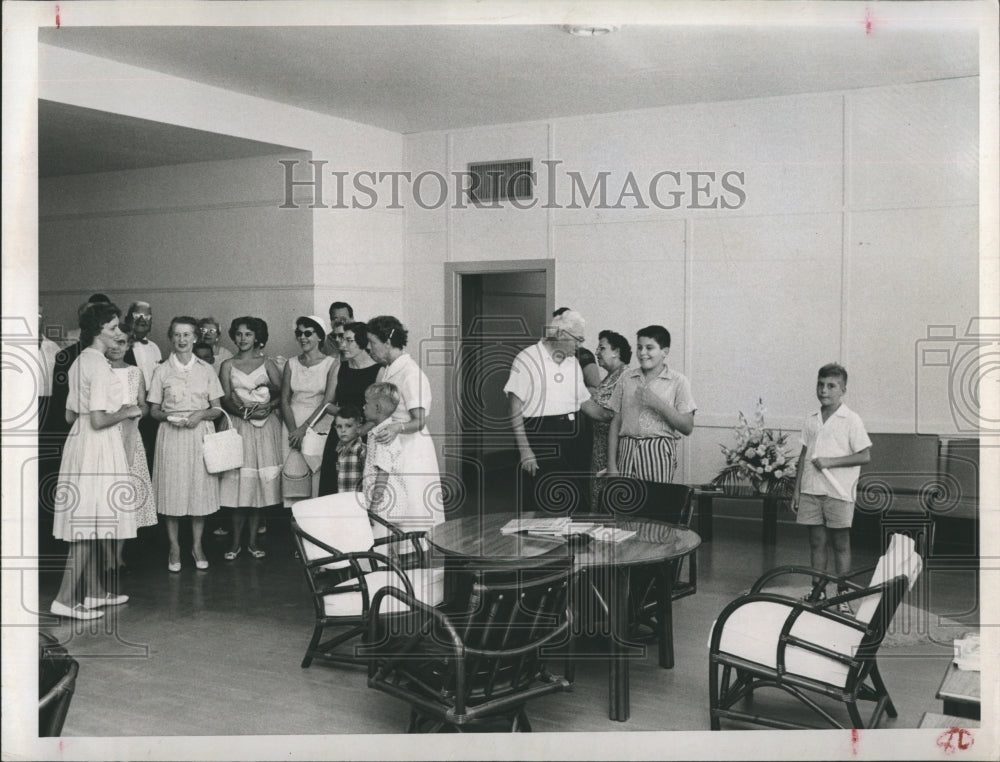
(417, 605)
(400, 536)
(823, 576)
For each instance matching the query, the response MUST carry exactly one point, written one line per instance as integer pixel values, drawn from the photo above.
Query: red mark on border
(855, 737)
(868, 21)
(57, 17)
(955, 739)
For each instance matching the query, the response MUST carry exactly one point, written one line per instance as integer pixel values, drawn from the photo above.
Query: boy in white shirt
(834, 447)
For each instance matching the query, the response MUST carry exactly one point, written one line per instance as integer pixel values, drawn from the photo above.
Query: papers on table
(967, 652)
(564, 526)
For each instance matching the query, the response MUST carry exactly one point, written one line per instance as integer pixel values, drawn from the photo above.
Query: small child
(203, 352)
(382, 483)
(834, 447)
(350, 449)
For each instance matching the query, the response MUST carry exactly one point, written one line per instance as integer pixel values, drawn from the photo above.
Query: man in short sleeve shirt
(545, 391)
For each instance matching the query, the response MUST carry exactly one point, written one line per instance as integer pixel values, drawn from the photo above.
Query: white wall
(194, 239)
(859, 230)
(357, 254)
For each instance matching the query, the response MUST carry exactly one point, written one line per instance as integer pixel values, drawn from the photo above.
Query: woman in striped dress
(185, 394)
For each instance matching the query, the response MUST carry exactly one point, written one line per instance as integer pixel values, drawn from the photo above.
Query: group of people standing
(574, 427)
(120, 392)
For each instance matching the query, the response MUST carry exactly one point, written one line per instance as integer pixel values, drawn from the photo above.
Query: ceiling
(419, 78)
(76, 141)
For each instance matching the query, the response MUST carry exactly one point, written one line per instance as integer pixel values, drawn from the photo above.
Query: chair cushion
(751, 632)
(428, 586)
(900, 557)
(340, 520)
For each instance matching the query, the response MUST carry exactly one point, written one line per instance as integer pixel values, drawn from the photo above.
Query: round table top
(480, 537)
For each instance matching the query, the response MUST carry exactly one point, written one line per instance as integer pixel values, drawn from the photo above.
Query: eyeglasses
(577, 339)
(307, 333)
(141, 316)
(208, 331)
(338, 336)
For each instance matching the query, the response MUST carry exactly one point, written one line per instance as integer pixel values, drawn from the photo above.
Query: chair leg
(852, 709)
(520, 723)
(713, 694)
(880, 688)
(317, 632)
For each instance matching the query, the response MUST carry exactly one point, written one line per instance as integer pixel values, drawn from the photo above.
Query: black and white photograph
(577, 380)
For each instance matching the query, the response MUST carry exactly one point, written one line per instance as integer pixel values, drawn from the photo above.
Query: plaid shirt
(350, 465)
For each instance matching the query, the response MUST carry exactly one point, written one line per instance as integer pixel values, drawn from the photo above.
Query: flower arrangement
(760, 462)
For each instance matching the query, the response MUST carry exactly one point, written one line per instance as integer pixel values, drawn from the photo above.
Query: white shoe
(107, 600)
(220, 531)
(79, 611)
(262, 529)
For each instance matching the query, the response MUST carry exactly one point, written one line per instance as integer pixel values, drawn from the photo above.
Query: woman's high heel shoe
(199, 564)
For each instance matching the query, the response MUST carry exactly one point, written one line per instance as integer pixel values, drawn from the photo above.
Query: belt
(564, 417)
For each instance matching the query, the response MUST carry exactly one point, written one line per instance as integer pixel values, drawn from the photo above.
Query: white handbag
(223, 450)
(313, 442)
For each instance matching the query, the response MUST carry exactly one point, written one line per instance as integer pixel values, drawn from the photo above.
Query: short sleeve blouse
(414, 387)
(93, 385)
(184, 388)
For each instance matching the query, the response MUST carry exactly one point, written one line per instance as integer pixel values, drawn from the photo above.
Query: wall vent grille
(493, 181)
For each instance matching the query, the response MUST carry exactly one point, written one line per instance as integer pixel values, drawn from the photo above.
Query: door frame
(453, 450)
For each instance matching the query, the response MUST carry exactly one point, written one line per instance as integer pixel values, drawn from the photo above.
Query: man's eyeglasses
(208, 331)
(141, 316)
(577, 339)
(307, 333)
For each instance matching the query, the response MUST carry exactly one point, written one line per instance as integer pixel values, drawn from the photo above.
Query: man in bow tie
(144, 354)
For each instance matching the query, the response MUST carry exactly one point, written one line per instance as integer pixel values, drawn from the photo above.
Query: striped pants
(651, 459)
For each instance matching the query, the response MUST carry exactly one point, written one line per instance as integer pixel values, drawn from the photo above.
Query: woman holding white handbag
(308, 385)
(186, 394)
(252, 386)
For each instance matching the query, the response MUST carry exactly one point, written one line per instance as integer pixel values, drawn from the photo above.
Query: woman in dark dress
(357, 372)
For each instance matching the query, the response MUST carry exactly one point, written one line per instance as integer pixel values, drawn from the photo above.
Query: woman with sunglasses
(308, 384)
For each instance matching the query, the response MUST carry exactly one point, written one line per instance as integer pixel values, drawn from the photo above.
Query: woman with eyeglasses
(185, 397)
(308, 384)
(423, 507)
(210, 333)
(357, 372)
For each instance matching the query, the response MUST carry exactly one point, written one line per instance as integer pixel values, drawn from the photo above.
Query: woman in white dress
(185, 393)
(252, 386)
(133, 393)
(94, 495)
(308, 384)
(386, 342)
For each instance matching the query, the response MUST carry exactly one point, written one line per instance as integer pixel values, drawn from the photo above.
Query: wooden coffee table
(959, 692)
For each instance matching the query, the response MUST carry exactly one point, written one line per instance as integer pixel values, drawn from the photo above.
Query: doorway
(499, 309)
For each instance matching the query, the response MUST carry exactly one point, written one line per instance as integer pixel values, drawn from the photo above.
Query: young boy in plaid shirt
(350, 449)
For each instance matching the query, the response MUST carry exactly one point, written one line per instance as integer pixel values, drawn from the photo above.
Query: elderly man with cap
(546, 389)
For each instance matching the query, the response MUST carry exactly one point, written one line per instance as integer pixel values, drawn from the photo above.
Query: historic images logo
(565, 189)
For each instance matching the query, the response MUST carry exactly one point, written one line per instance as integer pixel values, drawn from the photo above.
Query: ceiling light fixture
(589, 30)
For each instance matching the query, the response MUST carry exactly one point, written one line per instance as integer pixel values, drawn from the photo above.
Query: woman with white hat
(308, 384)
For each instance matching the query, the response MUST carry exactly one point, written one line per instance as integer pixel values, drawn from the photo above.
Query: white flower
(750, 452)
(768, 468)
(761, 449)
(779, 473)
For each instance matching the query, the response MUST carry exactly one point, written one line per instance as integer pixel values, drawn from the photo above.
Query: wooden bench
(959, 692)
(935, 720)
